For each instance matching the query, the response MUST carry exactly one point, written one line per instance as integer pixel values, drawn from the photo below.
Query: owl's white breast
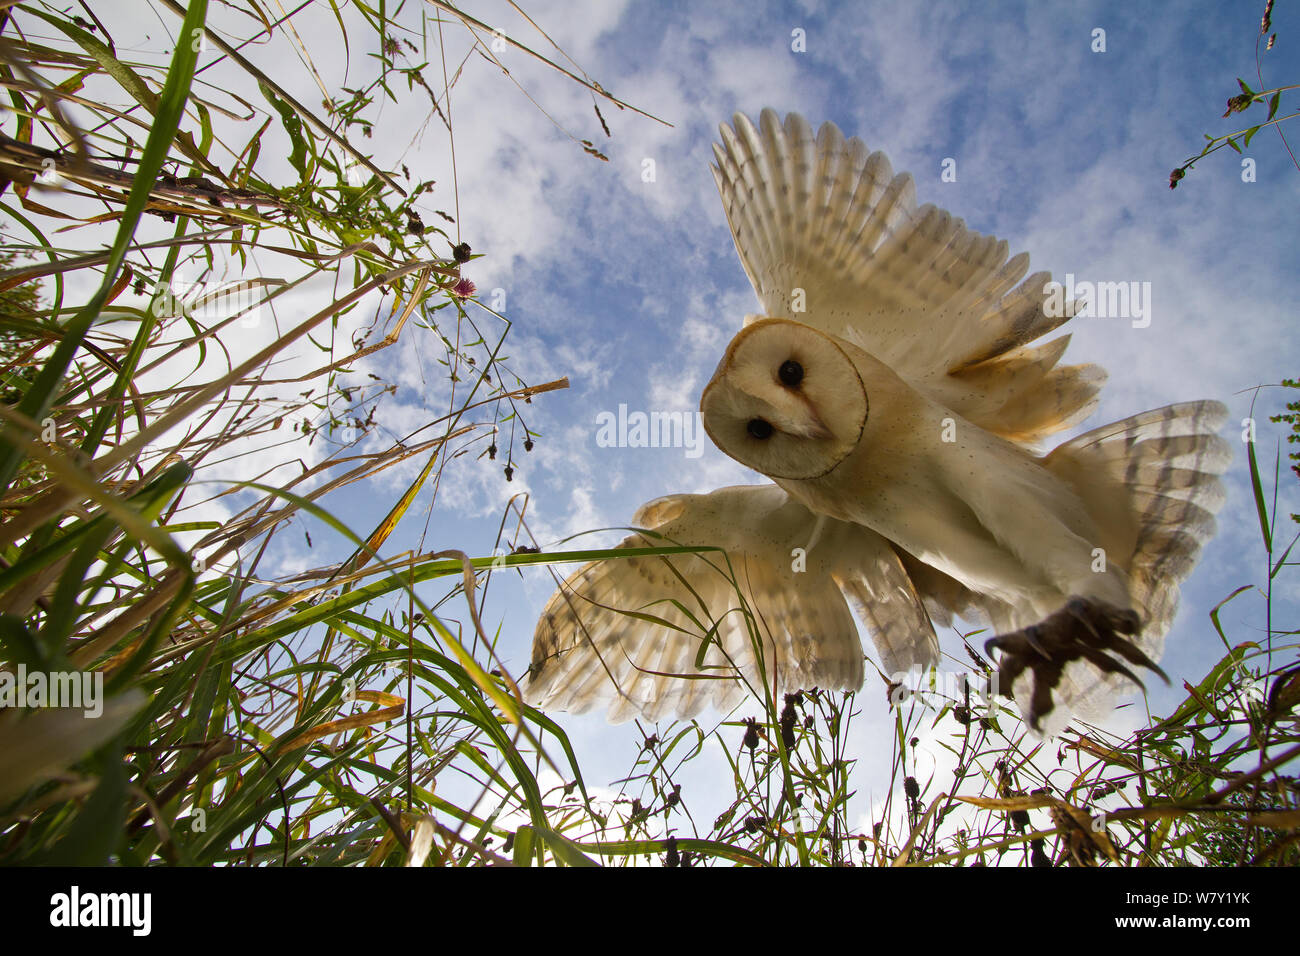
(954, 496)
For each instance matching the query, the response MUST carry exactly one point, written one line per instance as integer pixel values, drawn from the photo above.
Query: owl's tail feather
(1151, 483)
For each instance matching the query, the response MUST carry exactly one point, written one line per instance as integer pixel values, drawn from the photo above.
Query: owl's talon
(1085, 629)
(1028, 635)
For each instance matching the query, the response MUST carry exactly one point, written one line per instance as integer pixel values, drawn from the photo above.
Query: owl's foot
(1084, 629)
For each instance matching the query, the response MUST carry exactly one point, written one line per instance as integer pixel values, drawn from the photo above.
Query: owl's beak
(809, 424)
(813, 427)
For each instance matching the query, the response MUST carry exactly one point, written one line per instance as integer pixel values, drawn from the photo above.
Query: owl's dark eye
(759, 428)
(790, 373)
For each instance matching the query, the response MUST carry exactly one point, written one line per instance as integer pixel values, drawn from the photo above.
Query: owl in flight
(895, 391)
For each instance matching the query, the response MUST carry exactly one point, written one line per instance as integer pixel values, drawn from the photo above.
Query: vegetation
(356, 713)
(1269, 99)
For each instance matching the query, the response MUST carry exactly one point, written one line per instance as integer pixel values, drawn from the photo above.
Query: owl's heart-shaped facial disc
(785, 400)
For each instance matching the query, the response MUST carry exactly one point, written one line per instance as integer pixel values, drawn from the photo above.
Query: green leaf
(293, 126)
(1281, 562)
(126, 77)
(148, 502)
(1245, 139)
(1214, 614)
(1261, 507)
(171, 107)
(1273, 102)
(100, 827)
(1231, 142)
(19, 645)
(565, 850)
(205, 123)
(1208, 689)
(524, 838)
(1244, 88)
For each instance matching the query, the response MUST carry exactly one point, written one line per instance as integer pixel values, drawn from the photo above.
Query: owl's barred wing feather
(1152, 484)
(937, 302)
(631, 630)
(1166, 463)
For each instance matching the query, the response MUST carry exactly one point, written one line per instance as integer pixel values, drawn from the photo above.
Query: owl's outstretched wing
(830, 237)
(667, 635)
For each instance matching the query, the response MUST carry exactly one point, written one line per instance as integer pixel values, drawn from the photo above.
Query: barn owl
(895, 392)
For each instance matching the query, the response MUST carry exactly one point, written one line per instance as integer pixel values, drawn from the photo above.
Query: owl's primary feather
(830, 237)
(631, 630)
(894, 392)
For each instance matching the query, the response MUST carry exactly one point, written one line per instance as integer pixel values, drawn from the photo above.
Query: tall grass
(253, 715)
(340, 715)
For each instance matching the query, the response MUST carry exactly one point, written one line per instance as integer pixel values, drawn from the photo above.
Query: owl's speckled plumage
(895, 392)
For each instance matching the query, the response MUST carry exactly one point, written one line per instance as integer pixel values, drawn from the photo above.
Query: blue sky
(633, 288)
